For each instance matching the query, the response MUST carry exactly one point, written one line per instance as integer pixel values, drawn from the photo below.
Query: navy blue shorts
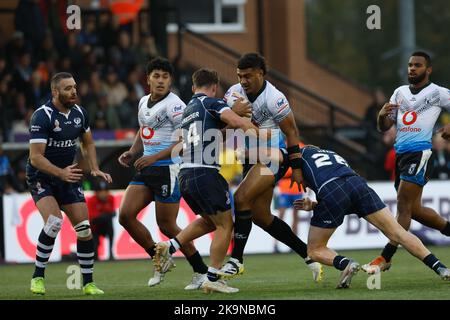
(343, 196)
(282, 169)
(161, 180)
(41, 186)
(414, 167)
(204, 190)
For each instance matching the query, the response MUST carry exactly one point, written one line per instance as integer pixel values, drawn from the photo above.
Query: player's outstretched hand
(71, 173)
(125, 158)
(388, 109)
(144, 161)
(101, 174)
(304, 204)
(445, 130)
(242, 107)
(297, 177)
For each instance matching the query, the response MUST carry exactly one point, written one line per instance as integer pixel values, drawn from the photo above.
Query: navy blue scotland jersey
(340, 191)
(201, 126)
(320, 166)
(59, 132)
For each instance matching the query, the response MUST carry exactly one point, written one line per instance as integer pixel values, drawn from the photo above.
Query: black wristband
(293, 149)
(296, 163)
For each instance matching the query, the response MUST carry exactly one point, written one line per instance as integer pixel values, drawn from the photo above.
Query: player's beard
(65, 101)
(417, 79)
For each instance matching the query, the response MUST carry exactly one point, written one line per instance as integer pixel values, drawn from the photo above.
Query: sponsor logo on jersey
(61, 143)
(35, 128)
(190, 117)
(412, 167)
(57, 128)
(39, 188)
(164, 190)
(77, 122)
(177, 108)
(409, 118)
(410, 129)
(147, 133)
(281, 104)
(152, 143)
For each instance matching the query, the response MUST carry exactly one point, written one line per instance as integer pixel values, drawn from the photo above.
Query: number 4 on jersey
(192, 137)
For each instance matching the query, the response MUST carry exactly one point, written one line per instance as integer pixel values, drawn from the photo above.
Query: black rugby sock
(281, 231)
(340, 262)
(388, 252)
(433, 263)
(242, 228)
(197, 263)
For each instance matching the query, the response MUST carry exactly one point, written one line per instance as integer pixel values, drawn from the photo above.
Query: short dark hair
(160, 63)
(58, 77)
(205, 78)
(252, 60)
(424, 55)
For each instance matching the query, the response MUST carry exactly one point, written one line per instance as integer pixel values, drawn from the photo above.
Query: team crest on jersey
(77, 122)
(57, 128)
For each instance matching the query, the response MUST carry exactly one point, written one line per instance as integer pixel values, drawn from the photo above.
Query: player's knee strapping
(53, 226)
(45, 244)
(83, 229)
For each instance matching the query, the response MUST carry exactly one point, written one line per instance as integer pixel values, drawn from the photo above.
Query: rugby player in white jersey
(160, 114)
(413, 109)
(253, 197)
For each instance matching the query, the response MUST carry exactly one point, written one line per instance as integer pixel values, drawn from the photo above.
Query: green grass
(281, 276)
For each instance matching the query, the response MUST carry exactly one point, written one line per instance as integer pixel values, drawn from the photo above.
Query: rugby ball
(231, 99)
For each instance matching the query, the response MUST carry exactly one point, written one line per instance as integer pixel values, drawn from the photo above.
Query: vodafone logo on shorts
(409, 118)
(147, 133)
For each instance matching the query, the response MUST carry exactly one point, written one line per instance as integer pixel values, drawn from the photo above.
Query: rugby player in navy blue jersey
(201, 184)
(341, 191)
(55, 181)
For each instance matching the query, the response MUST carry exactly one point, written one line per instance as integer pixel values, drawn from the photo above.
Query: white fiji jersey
(158, 124)
(417, 115)
(268, 110)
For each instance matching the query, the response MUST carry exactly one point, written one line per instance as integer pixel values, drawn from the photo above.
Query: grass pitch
(277, 276)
